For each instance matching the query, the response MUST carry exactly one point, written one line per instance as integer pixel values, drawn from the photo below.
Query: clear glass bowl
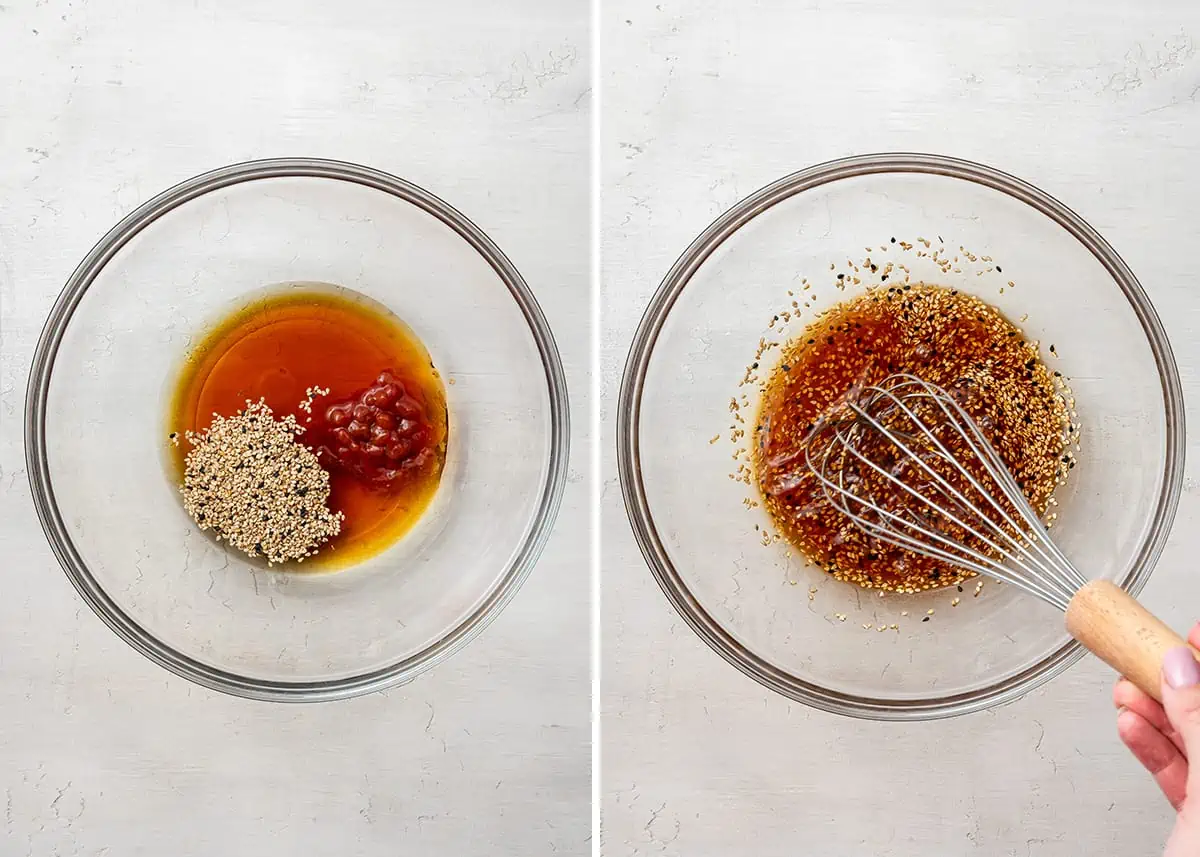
(106, 365)
(787, 625)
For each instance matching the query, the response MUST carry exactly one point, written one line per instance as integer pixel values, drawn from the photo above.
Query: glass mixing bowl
(831, 644)
(106, 366)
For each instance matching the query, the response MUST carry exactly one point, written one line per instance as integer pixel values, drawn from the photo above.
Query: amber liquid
(949, 339)
(278, 347)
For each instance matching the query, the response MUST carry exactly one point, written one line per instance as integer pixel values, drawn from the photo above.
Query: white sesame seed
(249, 480)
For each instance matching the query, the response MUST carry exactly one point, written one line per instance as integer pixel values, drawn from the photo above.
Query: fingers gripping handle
(1114, 627)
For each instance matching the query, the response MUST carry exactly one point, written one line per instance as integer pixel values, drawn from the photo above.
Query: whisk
(904, 461)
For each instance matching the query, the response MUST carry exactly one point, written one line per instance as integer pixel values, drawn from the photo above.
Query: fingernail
(1180, 668)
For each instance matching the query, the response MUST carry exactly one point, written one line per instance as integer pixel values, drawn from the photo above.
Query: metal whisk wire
(912, 415)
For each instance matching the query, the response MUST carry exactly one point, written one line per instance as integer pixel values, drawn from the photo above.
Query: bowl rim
(629, 415)
(453, 639)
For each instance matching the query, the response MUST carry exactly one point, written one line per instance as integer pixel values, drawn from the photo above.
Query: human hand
(1163, 737)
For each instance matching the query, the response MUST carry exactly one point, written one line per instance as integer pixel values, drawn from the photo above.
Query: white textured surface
(703, 103)
(103, 104)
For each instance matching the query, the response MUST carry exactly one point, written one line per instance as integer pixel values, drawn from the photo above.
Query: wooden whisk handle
(1122, 633)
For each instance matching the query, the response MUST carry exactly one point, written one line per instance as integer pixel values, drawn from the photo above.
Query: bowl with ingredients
(297, 429)
(829, 282)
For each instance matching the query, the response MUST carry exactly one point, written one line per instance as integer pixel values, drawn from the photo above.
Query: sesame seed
(254, 485)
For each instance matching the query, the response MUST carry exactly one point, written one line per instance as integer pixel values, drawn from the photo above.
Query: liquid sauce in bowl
(943, 336)
(380, 431)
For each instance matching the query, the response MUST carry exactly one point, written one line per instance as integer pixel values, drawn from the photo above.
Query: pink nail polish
(1180, 668)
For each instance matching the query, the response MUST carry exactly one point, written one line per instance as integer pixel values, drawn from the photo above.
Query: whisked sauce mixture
(943, 336)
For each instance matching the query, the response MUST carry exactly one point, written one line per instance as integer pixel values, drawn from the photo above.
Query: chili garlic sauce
(943, 336)
(360, 384)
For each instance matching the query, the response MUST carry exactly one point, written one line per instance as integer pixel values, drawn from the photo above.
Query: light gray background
(103, 104)
(704, 102)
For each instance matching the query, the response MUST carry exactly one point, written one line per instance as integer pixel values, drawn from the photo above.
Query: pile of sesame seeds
(249, 480)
